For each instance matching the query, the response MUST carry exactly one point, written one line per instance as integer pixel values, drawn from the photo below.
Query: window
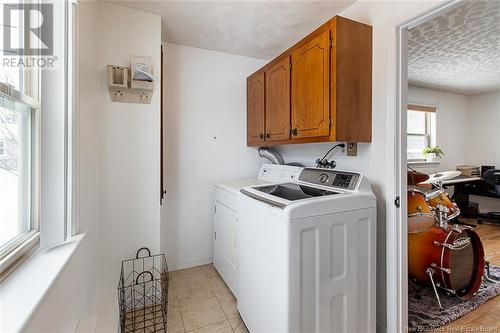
(18, 219)
(421, 129)
(21, 139)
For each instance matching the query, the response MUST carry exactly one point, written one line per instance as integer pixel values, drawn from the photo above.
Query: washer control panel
(331, 178)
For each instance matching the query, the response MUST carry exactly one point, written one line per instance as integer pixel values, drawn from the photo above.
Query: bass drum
(456, 256)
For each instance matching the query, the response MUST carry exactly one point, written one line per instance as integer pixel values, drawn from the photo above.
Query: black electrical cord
(328, 152)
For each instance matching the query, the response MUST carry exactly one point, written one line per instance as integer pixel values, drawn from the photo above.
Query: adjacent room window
(421, 122)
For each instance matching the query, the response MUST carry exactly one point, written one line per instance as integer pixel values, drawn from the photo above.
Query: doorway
(435, 117)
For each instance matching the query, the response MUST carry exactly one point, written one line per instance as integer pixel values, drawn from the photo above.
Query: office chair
(492, 178)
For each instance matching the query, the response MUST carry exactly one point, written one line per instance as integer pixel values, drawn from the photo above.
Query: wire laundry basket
(143, 293)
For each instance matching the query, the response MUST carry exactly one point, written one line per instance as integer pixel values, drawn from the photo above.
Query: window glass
(15, 170)
(421, 129)
(415, 145)
(9, 74)
(416, 122)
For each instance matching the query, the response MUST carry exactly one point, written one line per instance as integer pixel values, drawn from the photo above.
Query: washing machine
(306, 253)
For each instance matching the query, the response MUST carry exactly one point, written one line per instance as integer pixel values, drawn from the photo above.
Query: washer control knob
(323, 178)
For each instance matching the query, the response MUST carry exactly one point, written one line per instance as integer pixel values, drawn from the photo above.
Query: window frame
(22, 246)
(428, 135)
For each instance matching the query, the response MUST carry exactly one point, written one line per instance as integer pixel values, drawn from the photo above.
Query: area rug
(425, 315)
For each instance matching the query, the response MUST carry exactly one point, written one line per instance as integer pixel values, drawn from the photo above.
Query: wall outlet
(352, 149)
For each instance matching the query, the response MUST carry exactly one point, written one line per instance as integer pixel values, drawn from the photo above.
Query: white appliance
(225, 244)
(306, 256)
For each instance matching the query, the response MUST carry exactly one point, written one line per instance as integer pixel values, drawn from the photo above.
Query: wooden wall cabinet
(255, 109)
(277, 117)
(319, 90)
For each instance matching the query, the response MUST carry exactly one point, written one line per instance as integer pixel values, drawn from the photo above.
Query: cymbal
(441, 176)
(415, 177)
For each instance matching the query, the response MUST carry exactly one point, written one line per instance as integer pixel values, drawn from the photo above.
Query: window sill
(25, 288)
(423, 164)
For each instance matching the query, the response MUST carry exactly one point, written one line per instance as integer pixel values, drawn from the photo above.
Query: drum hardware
(446, 290)
(487, 273)
(431, 272)
(446, 270)
(442, 214)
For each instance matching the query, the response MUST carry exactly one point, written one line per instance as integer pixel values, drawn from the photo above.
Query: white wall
(130, 142)
(452, 131)
(483, 129)
(205, 138)
(118, 171)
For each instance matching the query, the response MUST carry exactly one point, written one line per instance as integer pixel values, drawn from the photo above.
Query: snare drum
(443, 200)
(420, 216)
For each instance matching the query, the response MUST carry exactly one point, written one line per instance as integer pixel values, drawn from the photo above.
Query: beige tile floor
(200, 302)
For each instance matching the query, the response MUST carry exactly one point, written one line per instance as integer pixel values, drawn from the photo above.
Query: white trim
(423, 164)
(397, 235)
(27, 286)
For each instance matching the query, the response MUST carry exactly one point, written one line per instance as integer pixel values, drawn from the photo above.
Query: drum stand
(487, 274)
(442, 214)
(431, 273)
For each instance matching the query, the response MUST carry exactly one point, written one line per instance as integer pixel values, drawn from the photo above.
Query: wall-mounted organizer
(134, 84)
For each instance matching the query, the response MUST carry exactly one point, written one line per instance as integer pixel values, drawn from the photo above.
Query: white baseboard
(175, 266)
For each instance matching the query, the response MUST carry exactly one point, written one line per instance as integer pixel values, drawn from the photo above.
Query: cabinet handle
(268, 135)
(261, 136)
(294, 131)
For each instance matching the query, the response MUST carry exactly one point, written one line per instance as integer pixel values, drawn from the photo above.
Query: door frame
(399, 230)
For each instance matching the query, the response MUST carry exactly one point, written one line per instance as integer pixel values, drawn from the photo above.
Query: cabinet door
(278, 101)
(255, 109)
(310, 88)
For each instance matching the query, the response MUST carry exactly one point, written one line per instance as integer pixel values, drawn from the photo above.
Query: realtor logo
(34, 22)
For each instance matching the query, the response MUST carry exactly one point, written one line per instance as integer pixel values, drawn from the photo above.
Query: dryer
(225, 233)
(306, 258)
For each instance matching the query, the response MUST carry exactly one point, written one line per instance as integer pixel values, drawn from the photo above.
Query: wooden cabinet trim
(277, 115)
(255, 109)
(305, 87)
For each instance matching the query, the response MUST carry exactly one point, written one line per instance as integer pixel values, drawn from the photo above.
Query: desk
(461, 180)
(465, 186)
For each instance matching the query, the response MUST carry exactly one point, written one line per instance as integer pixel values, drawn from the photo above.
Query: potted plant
(433, 154)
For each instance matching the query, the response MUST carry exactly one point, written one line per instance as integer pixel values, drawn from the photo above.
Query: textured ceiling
(458, 51)
(259, 29)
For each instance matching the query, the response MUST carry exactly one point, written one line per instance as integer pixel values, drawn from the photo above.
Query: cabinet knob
(294, 131)
(261, 136)
(268, 135)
